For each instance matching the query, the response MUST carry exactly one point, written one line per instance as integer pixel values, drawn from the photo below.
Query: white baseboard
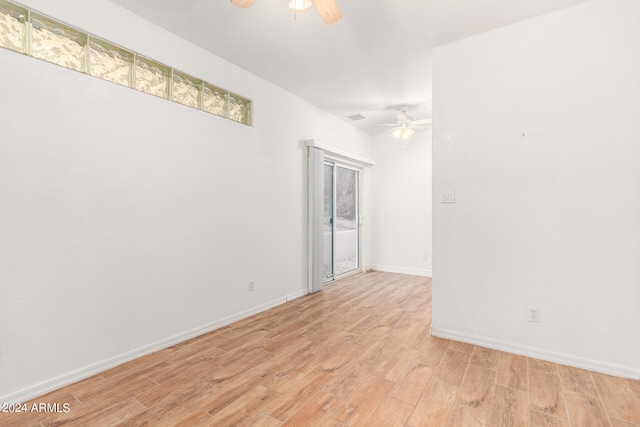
(402, 270)
(93, 369)
(298, 294)
(551, 356)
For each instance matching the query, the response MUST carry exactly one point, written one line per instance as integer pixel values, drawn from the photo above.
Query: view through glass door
(340, 221)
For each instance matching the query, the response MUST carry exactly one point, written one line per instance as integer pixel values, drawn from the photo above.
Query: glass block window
(31, 33)
(152, 78)
(239, 109)
(13, 27)
(109, 62)
(52, 42)
(214, 100)
(186, 90)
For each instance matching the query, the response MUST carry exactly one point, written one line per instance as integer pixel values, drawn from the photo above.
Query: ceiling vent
(357, 117)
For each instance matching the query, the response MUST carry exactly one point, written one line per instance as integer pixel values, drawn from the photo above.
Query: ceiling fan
(405, 126)
(328, 9)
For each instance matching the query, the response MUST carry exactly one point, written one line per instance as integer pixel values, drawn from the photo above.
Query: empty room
(320, 213)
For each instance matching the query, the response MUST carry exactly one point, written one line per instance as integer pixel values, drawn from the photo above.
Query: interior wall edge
(550, 356)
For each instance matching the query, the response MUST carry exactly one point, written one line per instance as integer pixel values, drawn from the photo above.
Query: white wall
(536, 130)
(129, 222)
(401, 204)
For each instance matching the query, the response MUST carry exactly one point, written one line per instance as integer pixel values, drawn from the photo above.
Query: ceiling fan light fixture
(299, 6)
(407, 133)
(327, 9)
(405, 127)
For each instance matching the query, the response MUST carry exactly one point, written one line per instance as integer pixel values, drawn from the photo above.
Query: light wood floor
(358, 353)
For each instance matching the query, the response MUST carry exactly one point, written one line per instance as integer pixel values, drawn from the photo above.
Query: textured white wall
(402, 204)
(536, 130)
(128, 221)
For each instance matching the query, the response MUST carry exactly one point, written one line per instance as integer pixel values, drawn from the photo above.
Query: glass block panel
(186, 90)
(13, 27)
(214, 100)
(42, 37)
(152, 78)
(53, 42)
(110, 62)
(239, 109)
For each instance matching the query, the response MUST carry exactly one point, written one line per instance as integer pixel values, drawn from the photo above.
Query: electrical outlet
(533, 314)
(251, 285)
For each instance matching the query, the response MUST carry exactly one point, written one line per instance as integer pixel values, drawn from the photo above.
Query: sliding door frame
(318, 152)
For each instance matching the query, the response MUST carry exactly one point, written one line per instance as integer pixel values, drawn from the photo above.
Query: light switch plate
(447, 196)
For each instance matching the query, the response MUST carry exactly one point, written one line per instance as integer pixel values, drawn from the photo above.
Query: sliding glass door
(341, 249)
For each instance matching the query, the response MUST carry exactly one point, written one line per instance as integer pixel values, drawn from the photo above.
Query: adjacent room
(270, 212)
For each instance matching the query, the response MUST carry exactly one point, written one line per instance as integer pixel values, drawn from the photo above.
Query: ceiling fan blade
(328, 10)
(386, 124)
(242, 3)
(420, 122)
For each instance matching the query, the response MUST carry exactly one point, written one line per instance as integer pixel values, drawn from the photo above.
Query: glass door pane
(328, 222)
(346, 223)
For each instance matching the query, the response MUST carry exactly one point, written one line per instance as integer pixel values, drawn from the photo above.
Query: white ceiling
(375, 59)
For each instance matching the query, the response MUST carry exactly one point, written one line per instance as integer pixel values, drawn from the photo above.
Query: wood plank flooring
(357, 354)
